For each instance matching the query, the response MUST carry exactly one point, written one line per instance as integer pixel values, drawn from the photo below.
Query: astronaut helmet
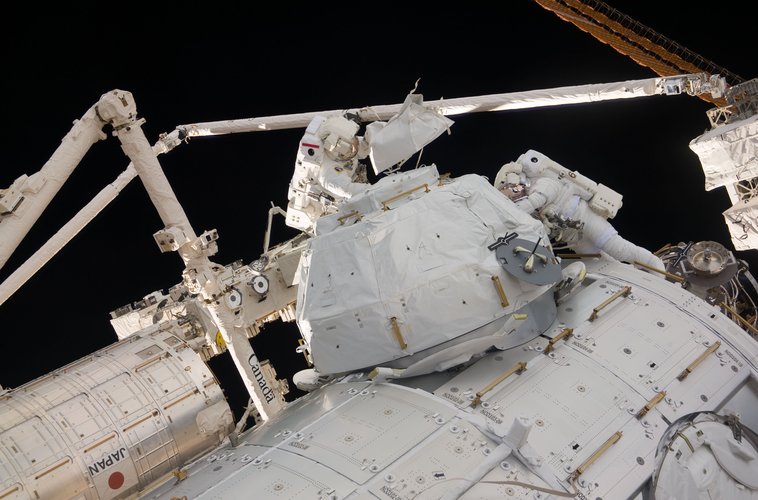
(338, 135)
(511, 181)
(510, 173)
(514, 192)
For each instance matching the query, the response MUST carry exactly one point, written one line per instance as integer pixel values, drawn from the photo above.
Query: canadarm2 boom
(693, 84)
(25, 200)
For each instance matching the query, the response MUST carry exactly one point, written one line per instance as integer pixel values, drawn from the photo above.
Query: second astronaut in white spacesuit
(564, 202)
(327, 171)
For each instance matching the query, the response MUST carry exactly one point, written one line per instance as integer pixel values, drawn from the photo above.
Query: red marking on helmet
(314, 146)
(116, 480)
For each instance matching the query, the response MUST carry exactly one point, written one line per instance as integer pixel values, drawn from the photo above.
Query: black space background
(188, 62)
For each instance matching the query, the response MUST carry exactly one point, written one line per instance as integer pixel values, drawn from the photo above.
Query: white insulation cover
(742, 221)
(728, 153)
(424, 262)
(404, 134)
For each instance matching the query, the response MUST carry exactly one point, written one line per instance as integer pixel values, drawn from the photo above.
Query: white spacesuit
(327, 171)
(572, 206)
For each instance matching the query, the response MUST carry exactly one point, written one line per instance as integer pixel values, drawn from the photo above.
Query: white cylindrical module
(109, 424)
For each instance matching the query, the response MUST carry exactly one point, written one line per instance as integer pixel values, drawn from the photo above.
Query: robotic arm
(23, 202)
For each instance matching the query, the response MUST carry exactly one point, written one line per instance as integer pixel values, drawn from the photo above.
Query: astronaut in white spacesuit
(327, 171)
(573, 207)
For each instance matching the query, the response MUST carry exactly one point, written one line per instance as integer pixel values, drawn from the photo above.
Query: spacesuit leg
(621, 249)
(600, 234)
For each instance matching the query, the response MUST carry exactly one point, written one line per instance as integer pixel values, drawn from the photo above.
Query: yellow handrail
(621, 293)
(517, 368)
(567, 332)
(354, 213)
(398, 333)
(385, 203)
(603, 448)
(699, 360)
(650, 404)
(500, 291)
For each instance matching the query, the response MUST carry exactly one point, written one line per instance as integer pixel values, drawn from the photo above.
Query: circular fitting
(233, 299)
(708, 258)
(260, 285)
